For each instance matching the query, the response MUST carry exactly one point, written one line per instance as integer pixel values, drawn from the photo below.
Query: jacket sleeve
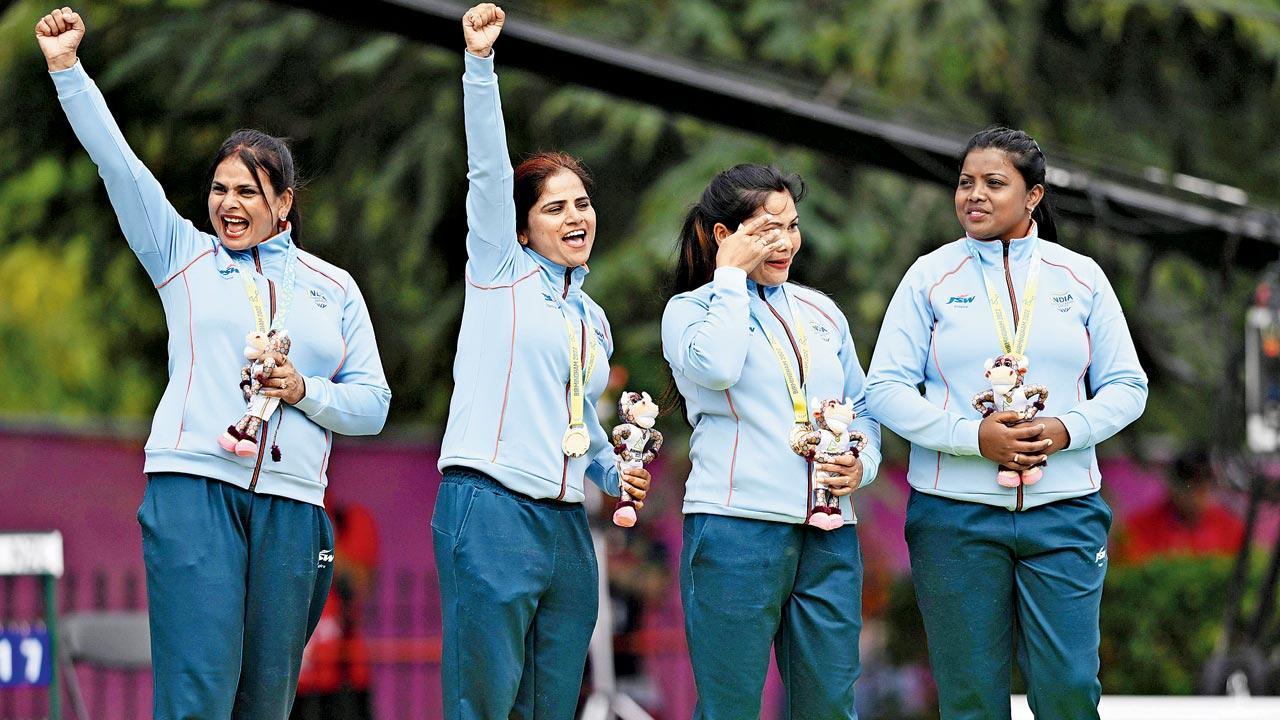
(897, 373)
(163, 240)
(356, 399)
(855, 386)
(1118, 382)
(603, 471)
(491, 208)
(706, 341)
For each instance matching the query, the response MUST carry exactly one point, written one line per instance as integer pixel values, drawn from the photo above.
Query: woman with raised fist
(517, 568)
(238, 550)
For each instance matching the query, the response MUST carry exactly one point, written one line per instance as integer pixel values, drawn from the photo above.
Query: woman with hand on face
(748, 350)
(998, 561)
(238, 550)
(513, 551)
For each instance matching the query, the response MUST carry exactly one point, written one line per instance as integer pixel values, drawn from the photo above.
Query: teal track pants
(235, 585)
(749, 584)
(989, 580)
(518, 600)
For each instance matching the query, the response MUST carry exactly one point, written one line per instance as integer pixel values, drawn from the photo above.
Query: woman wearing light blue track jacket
(1019, 558)
(237, 547)
(748, 352)
(516, 565)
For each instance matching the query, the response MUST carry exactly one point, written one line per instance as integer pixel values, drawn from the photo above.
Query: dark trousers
(518, 598)
(235, 585)
(748, 585)
(988, 579)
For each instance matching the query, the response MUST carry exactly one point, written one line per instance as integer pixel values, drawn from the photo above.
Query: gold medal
(576, 441)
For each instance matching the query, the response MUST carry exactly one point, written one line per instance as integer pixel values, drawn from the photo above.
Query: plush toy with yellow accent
(636, 443)
(242, 437)
(1009, 394)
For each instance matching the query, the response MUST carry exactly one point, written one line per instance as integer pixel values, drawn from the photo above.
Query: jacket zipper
(564, 471)
(808, 498)
(1013, 305)
(262, 442)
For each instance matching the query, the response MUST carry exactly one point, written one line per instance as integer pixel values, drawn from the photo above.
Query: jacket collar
(991, 252)
(270, 253)
(557, 271)
(771, 292)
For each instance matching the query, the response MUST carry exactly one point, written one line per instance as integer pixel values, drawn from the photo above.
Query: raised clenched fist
(59, 34)
(481, 26)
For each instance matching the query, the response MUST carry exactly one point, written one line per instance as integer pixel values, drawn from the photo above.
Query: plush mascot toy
(1007, 393)
(635, 442)
(242, 437)
(831, 439)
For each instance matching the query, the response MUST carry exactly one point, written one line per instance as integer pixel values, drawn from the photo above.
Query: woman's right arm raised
(491, 210)
(159, 236)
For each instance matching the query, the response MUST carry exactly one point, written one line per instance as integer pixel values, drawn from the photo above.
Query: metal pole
(51, 622)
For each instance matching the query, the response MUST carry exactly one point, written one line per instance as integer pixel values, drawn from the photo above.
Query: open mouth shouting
(234, 227)
(576, 239)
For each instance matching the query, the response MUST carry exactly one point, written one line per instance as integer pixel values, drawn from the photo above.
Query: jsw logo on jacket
(1079, 346)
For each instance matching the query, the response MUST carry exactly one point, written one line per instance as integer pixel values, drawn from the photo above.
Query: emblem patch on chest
(318, 298)
(821, 330)
(964, 300)
(1062, 300)
(550, 301)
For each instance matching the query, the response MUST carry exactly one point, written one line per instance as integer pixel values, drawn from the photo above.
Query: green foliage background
(1119, 85)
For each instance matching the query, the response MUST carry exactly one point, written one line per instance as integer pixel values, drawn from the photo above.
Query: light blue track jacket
(510, 404)
(208, 315)
(939, 331)
(737, 399)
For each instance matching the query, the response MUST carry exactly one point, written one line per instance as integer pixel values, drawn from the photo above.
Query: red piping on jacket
(733, 459)
(191, 369)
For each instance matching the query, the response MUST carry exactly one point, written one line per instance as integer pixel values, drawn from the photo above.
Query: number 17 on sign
(24, 657)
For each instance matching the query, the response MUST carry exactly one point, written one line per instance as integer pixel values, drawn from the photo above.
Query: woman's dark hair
(531, 176)
(1026, 156)
(270, 154)
(732, 196)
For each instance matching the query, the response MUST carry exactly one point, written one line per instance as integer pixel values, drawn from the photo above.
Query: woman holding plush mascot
(238, 550)
(515, 559)
(1003, 544)
(768, 559)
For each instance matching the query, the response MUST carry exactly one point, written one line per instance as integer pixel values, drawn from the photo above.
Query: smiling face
(777, 267)
(992, 198)
(244, 212)
(562, 221)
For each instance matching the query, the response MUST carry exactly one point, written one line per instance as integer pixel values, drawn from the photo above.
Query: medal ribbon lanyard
(799, 405)
(1011, 342)
(577, 378)
(286, 292)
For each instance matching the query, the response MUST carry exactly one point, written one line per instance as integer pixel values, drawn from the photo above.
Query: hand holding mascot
(636, 443)
(1008, 394)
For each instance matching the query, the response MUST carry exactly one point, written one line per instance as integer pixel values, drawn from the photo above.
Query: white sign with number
(31, 553)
